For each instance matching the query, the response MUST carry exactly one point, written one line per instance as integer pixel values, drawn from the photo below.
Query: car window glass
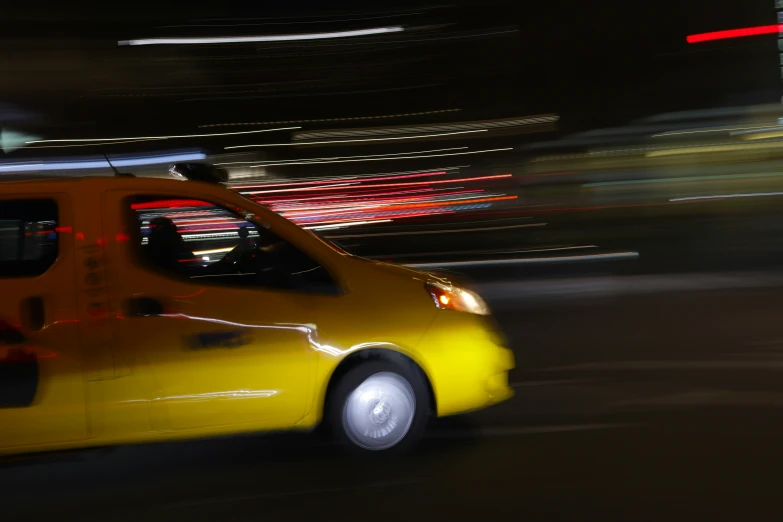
(200, 240)
(28, 237)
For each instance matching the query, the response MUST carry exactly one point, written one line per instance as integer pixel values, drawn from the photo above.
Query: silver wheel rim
(379, 412)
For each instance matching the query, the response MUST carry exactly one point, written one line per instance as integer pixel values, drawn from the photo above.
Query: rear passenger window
(28, 236)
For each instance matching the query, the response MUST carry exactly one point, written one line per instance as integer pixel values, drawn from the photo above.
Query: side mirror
(199, 172)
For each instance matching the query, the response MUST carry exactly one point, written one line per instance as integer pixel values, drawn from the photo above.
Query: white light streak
(528, 260)
(287, 162)
(143, 138)
(357, 140)
(21, 166)
(298, 327)
(336, 179)
(100, 164)
(381, 159)
(701, 131)
(724, 196)
(449, 231)
(346, 224)
(233, 394)
(270, 38)
(382, 185)
(212, 251)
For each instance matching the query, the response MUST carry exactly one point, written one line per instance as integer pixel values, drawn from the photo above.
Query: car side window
(199, 240)
(28, 237)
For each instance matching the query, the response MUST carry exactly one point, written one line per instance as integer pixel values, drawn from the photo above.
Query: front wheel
(380, 406)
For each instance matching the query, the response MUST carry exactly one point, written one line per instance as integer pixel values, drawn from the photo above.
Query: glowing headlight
(458, 299)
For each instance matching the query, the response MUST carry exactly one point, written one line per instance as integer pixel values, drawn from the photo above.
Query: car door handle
(143, 307)
(32, 313)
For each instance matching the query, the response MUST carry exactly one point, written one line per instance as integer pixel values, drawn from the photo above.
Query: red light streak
(62, 230)
(201, 230)
(179, 214)
(170, 203)
(425, 213)
(334, 197)
(734, 33)
(194, 222)
(376, 205)
(459, 202)
(430, 212)
(199, 292)
(404, 184)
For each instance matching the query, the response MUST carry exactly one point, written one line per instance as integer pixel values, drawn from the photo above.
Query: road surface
(630, 406)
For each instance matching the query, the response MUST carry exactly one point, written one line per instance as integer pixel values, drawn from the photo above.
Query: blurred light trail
(369, 202)
(269, 38)
(711, 129)
(319, 120)
(347, 224)
(100, 164)
(356, 177)
(383, 159)
(483, 252)
(95, 144)
(397, 215)
(27, 166)
(725, 196)
(683, 179)
(324, 182)
(212, 251)
(761, 135)
(368, 195)
(447, 231)
(714, 148)
(404, 184)
(142, 138)
(392, 212)
(527, 260)
(406, 203)
(734, 33)
(505, 123)
(356, 141)
(319, 160)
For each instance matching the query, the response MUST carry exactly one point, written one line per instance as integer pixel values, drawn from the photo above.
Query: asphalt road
(639, 406)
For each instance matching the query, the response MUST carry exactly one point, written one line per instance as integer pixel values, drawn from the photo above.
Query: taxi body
(142, 309)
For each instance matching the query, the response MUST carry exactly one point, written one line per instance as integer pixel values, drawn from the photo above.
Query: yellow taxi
(138, 309)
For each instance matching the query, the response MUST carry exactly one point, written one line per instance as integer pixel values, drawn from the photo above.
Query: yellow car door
(217, 346)
(42, 388)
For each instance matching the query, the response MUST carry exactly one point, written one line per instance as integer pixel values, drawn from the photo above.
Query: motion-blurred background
(607, 174)
(461, 135)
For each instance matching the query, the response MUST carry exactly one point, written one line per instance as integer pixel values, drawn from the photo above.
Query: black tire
(354, 378)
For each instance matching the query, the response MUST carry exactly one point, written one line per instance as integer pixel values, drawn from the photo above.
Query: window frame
(58, 254)
(130, 220)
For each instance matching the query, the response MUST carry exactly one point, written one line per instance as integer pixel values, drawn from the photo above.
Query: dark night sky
(596, 64)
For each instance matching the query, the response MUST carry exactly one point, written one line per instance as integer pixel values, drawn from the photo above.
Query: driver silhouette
(166, 248)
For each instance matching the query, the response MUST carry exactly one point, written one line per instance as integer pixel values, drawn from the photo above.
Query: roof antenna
(116, 172)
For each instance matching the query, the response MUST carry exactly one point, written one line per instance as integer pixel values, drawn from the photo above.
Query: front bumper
(467, 364)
